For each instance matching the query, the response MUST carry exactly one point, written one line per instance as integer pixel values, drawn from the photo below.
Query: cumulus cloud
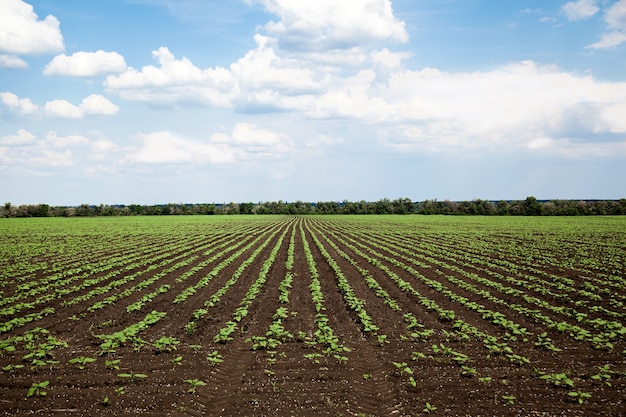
(22, 106)
(263, 80)
(246, 142)
(328, 24)
(54, 140)
(23, 137)
(580, 9)
(86, 64)
(174, 80)
(609, 40)
(274, 76)
(94, 105)
(267, 81)
(12, 61)
(24, 149)
(63, 109)
(518, 106)
(615, 18)
(101, 149)
(168, 148)
(22, 33)
(521, 106)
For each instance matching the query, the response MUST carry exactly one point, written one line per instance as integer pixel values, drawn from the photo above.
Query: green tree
(7, 210)
(532, 207)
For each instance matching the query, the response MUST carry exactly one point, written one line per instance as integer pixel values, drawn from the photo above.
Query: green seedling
(120, 390)
(446, 315)
(105, 402)
(37, 389)
(315, 357)
(518, 359)
(467, 371)
(403, 368)
(177, 360)
(132, 376)
(195, 383)
(579, 396)
(485, 379)
(604, 375)
(12, 368)
(138, 343)
(166, 344)
(82, 361)
(262, 342)
(275, 386)
(544, 342)
(112, 364)
(429, 408)
(559, 380)
(341, 358)
(214, 358)
(190, 328)
(509, 399)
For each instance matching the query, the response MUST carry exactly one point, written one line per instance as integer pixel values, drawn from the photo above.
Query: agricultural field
(316, 316)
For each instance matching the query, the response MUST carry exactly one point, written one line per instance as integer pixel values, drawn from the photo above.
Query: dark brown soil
(283, 381)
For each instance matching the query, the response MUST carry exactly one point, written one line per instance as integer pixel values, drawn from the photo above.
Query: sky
(200, 101)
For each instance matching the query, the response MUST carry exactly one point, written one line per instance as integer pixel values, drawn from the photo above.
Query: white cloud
(175, 80)
(93, 105)
(62, 109)
(86, 64)
(613, 118)
(249, 142)
(101, 149)
(329, 24)
(168, 148)
(502, 110)
(22, 106)
(246, 142)
(262, 68)
(56, 141)
(615, 18)
(12, 61)
(609, 40)
(22, 33)
(264, 79)
(164, 147)
(23, 137)
(25, 150)
(580, 9)
(567, 147)
(97, 105)
(52, 158)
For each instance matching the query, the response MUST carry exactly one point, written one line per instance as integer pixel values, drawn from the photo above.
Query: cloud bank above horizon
(361, 99)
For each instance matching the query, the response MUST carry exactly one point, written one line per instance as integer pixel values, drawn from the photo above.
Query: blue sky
(157, 101)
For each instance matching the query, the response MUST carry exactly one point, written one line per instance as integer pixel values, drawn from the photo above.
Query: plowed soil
(386, 372)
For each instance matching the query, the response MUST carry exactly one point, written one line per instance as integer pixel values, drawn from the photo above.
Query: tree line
(528, 207)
